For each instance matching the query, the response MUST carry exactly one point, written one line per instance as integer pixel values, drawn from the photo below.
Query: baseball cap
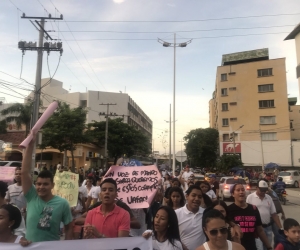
(262, 185)
(212, 176)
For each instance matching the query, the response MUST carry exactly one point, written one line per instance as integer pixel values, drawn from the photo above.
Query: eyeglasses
(222, 230)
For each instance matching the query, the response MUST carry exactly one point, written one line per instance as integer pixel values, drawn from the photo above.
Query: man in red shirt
(108, 220)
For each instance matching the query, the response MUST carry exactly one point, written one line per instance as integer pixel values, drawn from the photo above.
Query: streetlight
(182, 45)
(233, 138)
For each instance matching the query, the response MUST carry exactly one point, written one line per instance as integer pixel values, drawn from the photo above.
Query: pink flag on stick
(46, 115)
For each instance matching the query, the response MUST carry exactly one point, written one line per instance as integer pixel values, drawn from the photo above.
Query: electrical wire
(43, 6)
(172, 32)
(182, 21)
(22, 64)
(192, 38)
(13, 95)
(49, 81)
(15, 6)
(16, 78)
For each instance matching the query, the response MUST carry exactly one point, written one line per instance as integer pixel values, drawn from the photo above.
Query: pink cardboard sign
(7, 174)
(137, 186)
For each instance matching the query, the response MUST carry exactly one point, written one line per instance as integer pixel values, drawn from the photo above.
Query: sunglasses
(222, 230)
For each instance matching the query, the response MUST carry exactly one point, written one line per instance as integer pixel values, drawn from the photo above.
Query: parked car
(198, 177)
(207, 176)
(226, 183)
(10, 163)
(290, 177)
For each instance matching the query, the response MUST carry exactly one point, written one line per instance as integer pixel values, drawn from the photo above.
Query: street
(292, 207)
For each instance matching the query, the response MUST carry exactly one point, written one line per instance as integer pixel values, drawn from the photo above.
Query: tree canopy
(202, 146)
(64, 129)
(227, 162)
(20, 114)
(122, 138)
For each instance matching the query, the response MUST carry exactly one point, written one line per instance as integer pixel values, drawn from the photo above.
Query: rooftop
(245, 56)
(294, 33)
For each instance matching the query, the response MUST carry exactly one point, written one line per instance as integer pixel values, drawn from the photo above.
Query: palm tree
(20, 113)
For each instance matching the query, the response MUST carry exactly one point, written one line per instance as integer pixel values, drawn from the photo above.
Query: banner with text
(137, 186)
(7, 174)
(132, 243)
(66, 186)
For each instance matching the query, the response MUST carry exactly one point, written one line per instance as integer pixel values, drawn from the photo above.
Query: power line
(13, 95)
(181, 21)
(155, 39)
(15, 6)
(16, 77)
(43, 6)
(172, 32)
(51, 77)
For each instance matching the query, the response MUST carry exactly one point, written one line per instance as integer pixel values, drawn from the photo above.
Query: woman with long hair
(10, 219)
(206, 189)
(165, 230)
(206, 201)
(216, 230)
(176, 198)
(223, 208)
(247, 217)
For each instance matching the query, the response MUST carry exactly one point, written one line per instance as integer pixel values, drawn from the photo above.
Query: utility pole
(170, 121)
(38, 77)
(106, 129)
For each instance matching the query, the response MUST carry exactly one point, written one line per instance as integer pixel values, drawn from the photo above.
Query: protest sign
(7, 174)
(39, 124)
(66, 186)
(137, 186)
(132, 243)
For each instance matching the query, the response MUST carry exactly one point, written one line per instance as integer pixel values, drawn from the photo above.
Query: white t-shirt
(166, 245)
(83, 193)
(211, 194)
(94, 192)
(186, 175)
(15, 196)
(265, 206)
(190, 227)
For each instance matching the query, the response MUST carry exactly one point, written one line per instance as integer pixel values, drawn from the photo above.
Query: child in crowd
(291, 238)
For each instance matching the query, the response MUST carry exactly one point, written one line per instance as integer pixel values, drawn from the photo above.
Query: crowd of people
(185, 214)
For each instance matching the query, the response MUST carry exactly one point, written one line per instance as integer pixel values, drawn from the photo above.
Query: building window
(223, 77)
(266, 88)
(224, 106)
(270, 136)
(233, 119)
(226, 137)
(223, 92)
(232, 88)
(225, 122)
(268, 120)
(264, 72)
(266, 104)
(233, 103)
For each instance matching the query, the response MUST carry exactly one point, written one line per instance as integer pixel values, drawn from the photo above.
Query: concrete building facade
(250, 107)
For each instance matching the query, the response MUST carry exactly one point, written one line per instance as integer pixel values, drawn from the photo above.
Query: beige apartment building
(250, 101)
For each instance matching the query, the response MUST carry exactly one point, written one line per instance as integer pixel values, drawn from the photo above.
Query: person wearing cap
(267, 210)
(185, 176)
(214, 184)
(247, 217)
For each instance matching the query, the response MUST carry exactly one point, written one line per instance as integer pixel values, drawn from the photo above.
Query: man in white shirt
(186, 175)
(266, 208)
(14, 194)
(94, 194)
(190, 219)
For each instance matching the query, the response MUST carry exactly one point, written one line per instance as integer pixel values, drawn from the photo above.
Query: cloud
(119, 1)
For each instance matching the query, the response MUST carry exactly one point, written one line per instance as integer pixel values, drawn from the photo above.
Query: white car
(290, 177)
(226, 183)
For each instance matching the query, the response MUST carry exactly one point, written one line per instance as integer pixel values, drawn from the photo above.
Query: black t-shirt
(215, 186)
(119, 203)
(248, 218)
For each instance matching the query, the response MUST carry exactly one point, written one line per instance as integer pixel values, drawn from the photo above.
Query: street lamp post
(233, 138)
(182, 45)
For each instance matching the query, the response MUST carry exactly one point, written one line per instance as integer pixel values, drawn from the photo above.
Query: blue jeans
(259, 244)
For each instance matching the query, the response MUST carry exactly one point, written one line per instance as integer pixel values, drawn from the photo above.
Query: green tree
(65, 129)
(202, 146)
(3, 126)
(227, 162)
(122, 138)
(20, 114)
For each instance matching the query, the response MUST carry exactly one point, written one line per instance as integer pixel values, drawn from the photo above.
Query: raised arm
(26, 167)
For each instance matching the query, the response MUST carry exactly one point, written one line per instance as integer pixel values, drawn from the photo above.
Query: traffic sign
(181, 156)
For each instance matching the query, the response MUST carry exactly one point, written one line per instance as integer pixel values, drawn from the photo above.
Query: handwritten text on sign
(137, 186)
(7, 174)
(66, 186)
(133, 243)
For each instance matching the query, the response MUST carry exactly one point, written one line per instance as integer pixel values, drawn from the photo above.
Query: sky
(119, 51)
